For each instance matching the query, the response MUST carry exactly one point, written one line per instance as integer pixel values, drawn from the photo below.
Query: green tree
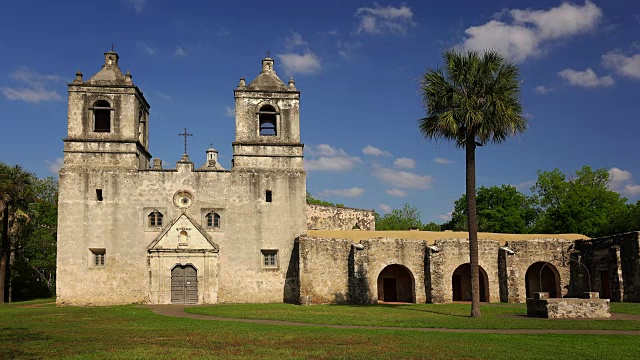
(313, 201)
(582, 204)
(404, 219)
(474, 100)
(16, 192)
(33, 272)
(431, 227)
(501, 209)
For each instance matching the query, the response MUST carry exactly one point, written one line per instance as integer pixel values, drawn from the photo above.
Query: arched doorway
(550, 279)
(461, 283)
(184, 285)
(396, 284)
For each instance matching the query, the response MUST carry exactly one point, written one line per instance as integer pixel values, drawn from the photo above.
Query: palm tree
(15, 195)
(474, 100)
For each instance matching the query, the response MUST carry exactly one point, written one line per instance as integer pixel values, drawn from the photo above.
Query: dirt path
(178, 311)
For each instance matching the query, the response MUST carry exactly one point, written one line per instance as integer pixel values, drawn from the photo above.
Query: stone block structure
(609, 266)
(590, 306)
(512, 267)
(320, 217)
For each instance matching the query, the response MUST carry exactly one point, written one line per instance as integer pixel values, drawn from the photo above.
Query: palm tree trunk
(473, 225)
(4, 253)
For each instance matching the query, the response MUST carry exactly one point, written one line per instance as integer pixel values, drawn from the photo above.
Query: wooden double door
(184, 285)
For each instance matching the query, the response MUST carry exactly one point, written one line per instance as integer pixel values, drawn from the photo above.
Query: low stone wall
(614, 266)
(377, 254)
(449, 254)
(518, 256)
(321, 217)
(324, 270)
(590, 307)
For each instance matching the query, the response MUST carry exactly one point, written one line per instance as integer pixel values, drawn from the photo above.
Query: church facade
(133, 232)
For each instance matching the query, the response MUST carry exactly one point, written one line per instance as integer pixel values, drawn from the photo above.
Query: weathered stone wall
(321, 217)
(324, 270)
(382, 252)
(455, 252)
(119, 225)
(588, 307)
(615, 257)
(528, 252)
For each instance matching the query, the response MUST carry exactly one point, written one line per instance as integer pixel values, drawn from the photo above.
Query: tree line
(29, 215)
(581, 203)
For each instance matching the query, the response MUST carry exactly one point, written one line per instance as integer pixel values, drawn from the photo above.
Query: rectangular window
(269, 258)
(268, 196)
(99, 194)
(99, 256)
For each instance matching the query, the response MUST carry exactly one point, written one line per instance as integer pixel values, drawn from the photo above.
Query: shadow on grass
(18, 335)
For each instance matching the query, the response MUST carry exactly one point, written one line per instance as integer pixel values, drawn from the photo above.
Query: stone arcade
(131, 231)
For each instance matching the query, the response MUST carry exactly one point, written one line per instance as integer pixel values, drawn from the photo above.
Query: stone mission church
(131, 231)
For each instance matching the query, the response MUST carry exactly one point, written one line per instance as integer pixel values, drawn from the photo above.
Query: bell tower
(108, 120)
(267, 122)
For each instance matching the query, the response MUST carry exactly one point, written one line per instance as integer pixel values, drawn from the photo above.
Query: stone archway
(396, 284)
(184, 285)
(550, 279)
(461, 283)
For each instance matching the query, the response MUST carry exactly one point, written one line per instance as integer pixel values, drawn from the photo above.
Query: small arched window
(267, 117)
(155, 218)
(213, 220)
(101, 116)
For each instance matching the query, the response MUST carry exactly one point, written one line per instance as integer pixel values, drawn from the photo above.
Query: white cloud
(223, 32)
(442, 161)
(149, 50)
(540, 89)
(327, 158)
(631, 189)
(525, 185)
(352, 192)
(331, 164)
(374, 151)
(623, 65)
(137, 5)
(55, 165)
(519, 34)
(402, 179)
(619, 176)
(294, 63)
(445, 217)
(389, 19)
(164, 96)
(385, 208)
(34, 86)
(622, 183)
(396, 192)
(294, 40)
(325, 150)
(347, 49)
(587, 78)
(404, 162)
(229, 111)
(180, 52)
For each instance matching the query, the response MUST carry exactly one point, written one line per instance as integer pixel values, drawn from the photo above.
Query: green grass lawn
(452, 316)
(130, 332)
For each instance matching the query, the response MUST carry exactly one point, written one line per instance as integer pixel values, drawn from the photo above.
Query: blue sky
(358, 65)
